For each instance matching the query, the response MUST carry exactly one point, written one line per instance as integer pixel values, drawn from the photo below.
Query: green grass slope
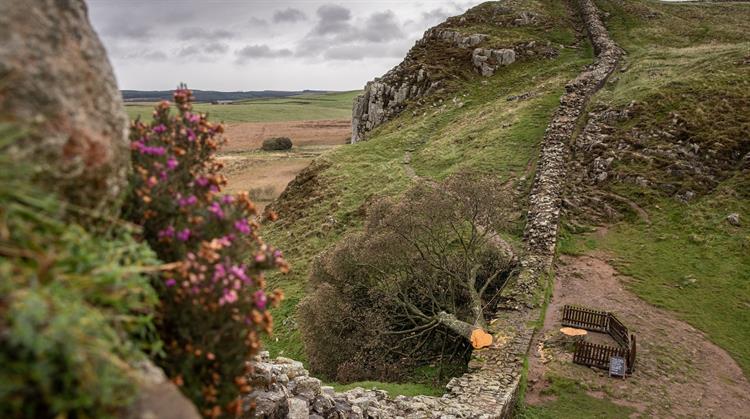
(310, 106)
(692, 60)
(474, 126)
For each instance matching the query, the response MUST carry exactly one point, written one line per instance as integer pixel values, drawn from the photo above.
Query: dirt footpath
(679, 372)
(249, 136)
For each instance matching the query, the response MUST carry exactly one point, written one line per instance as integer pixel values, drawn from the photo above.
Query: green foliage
(303, 107)
(214, 303)
(75, 309)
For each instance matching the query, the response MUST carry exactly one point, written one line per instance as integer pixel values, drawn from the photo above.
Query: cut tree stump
(480, 339)
(573, 332)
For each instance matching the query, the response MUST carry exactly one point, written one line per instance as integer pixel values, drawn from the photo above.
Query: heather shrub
(214, 305)
(276, 143)
(75, 308)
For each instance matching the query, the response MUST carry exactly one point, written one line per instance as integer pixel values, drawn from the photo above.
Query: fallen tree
(415, 286)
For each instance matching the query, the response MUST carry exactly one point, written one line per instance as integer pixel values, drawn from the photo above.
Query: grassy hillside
(689, 62)
(476, 128)
(296, 108)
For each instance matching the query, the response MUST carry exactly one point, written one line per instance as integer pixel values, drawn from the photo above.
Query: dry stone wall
(284, 388)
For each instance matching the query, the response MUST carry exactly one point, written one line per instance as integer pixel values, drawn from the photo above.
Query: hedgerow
(213, 299)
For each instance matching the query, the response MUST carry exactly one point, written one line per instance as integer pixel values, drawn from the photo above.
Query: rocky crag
(489, 389)
(443, 53)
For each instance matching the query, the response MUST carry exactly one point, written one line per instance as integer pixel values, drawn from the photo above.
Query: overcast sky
(257, 45)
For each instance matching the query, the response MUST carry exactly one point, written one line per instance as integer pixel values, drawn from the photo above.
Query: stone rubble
(489, 389)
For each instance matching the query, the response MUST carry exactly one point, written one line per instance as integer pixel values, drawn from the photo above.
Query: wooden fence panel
(618, 331)
(585, 318)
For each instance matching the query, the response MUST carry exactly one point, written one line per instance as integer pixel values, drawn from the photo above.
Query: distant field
(295, 108)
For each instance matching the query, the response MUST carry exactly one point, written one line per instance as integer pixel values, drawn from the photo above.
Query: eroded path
(679, 372)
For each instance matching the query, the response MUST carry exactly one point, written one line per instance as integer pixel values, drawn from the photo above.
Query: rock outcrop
(422, 73)
(487, 61)
(56, 83)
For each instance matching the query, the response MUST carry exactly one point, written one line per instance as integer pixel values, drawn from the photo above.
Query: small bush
(214, 305)
(75, 309)
(276, 143)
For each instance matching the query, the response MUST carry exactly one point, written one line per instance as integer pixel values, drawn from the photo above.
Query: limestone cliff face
(445, 52)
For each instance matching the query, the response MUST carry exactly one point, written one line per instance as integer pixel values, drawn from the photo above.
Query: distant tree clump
(277, 143)
(415, 287)
(213, 302)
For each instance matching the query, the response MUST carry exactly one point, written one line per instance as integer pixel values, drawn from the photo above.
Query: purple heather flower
(242, 226)
(213, 188)
(228, 298)
(172, 163)
(190, 135)
(190, 200)
(260, 299)
(219, 272)
(239, 272)
(202, 181)
(184, 235)
(215, 208)
(159, 129)
(227, 199)
(170, 282)
(167, 232)
(195, 118)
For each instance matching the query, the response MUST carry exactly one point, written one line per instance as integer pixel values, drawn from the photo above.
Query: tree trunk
(474, 334)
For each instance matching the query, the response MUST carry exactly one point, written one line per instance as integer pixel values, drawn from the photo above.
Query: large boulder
(56, 83)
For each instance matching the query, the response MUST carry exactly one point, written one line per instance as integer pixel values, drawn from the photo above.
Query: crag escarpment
(449, 51)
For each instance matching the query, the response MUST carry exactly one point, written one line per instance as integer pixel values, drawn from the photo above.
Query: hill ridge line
(491, 387)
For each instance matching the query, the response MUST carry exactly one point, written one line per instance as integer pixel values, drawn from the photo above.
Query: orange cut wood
(572, 331)
(480, 339)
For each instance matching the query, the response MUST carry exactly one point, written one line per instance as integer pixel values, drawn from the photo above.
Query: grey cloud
(354, 52)
(201, 50)
(155, 56)
(381, 27)
(257, 22)
(188, 51)
(289, 15)
(143, 54)
(261, 51)
(216, 48)
(333, 19)
(202, 33)
(128, 31)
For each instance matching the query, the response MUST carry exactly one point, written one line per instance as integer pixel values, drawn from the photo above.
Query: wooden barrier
(596, 355)
(585, 318)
